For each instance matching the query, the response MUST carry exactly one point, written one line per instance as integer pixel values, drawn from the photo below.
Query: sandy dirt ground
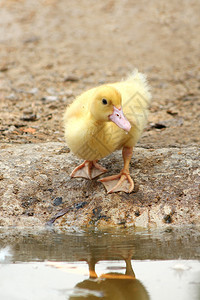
(51, 51)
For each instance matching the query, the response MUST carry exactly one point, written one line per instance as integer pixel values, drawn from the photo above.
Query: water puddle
(120, 264)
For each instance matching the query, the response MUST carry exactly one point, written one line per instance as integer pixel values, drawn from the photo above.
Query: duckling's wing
(79, 107)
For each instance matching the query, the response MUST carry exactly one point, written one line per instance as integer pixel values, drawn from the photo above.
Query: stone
(71, 78)
(57, 201)
(34, 175)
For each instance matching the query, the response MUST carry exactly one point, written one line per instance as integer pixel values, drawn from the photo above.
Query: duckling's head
(106, 106)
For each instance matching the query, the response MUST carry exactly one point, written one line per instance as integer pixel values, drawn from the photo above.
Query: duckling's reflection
(110, 286)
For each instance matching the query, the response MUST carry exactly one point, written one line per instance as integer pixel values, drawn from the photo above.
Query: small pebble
(80, 205)
(33, 91)
(57, 201)
(11, 129)
(167, 219)
(67, 93)
(28, 111)
(50, 98)
(137, 213)
(64, 149)
(158, 125)
(71, 78)
(30, 213)
(27, 117)
(3, 68)
(172, 113)
(53, 106)
(31, 39)
(51, 91)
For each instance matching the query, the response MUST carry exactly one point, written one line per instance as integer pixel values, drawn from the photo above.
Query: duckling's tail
(136, 75)
(141, 80)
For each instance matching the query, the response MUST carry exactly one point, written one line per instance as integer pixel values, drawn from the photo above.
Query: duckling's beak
(119, 119)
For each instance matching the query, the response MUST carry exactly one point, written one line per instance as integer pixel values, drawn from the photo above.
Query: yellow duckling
(104, 119)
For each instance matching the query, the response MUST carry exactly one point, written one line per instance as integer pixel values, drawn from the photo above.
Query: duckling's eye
(104, 101)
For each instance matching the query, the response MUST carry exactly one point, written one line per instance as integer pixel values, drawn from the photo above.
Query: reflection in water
(110, 285)
(167, 253)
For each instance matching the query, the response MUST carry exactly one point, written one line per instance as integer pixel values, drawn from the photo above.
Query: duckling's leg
(88, 169)
(91, 264)
(121, 182)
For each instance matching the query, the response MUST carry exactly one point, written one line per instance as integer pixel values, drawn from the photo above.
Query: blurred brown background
(50, 51)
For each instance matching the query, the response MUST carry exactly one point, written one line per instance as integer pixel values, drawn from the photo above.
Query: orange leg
(122, 181)
(91, 265)
(88, 169)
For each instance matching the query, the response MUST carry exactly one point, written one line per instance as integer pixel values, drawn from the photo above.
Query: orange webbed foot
(121, 182)
(88, 170)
